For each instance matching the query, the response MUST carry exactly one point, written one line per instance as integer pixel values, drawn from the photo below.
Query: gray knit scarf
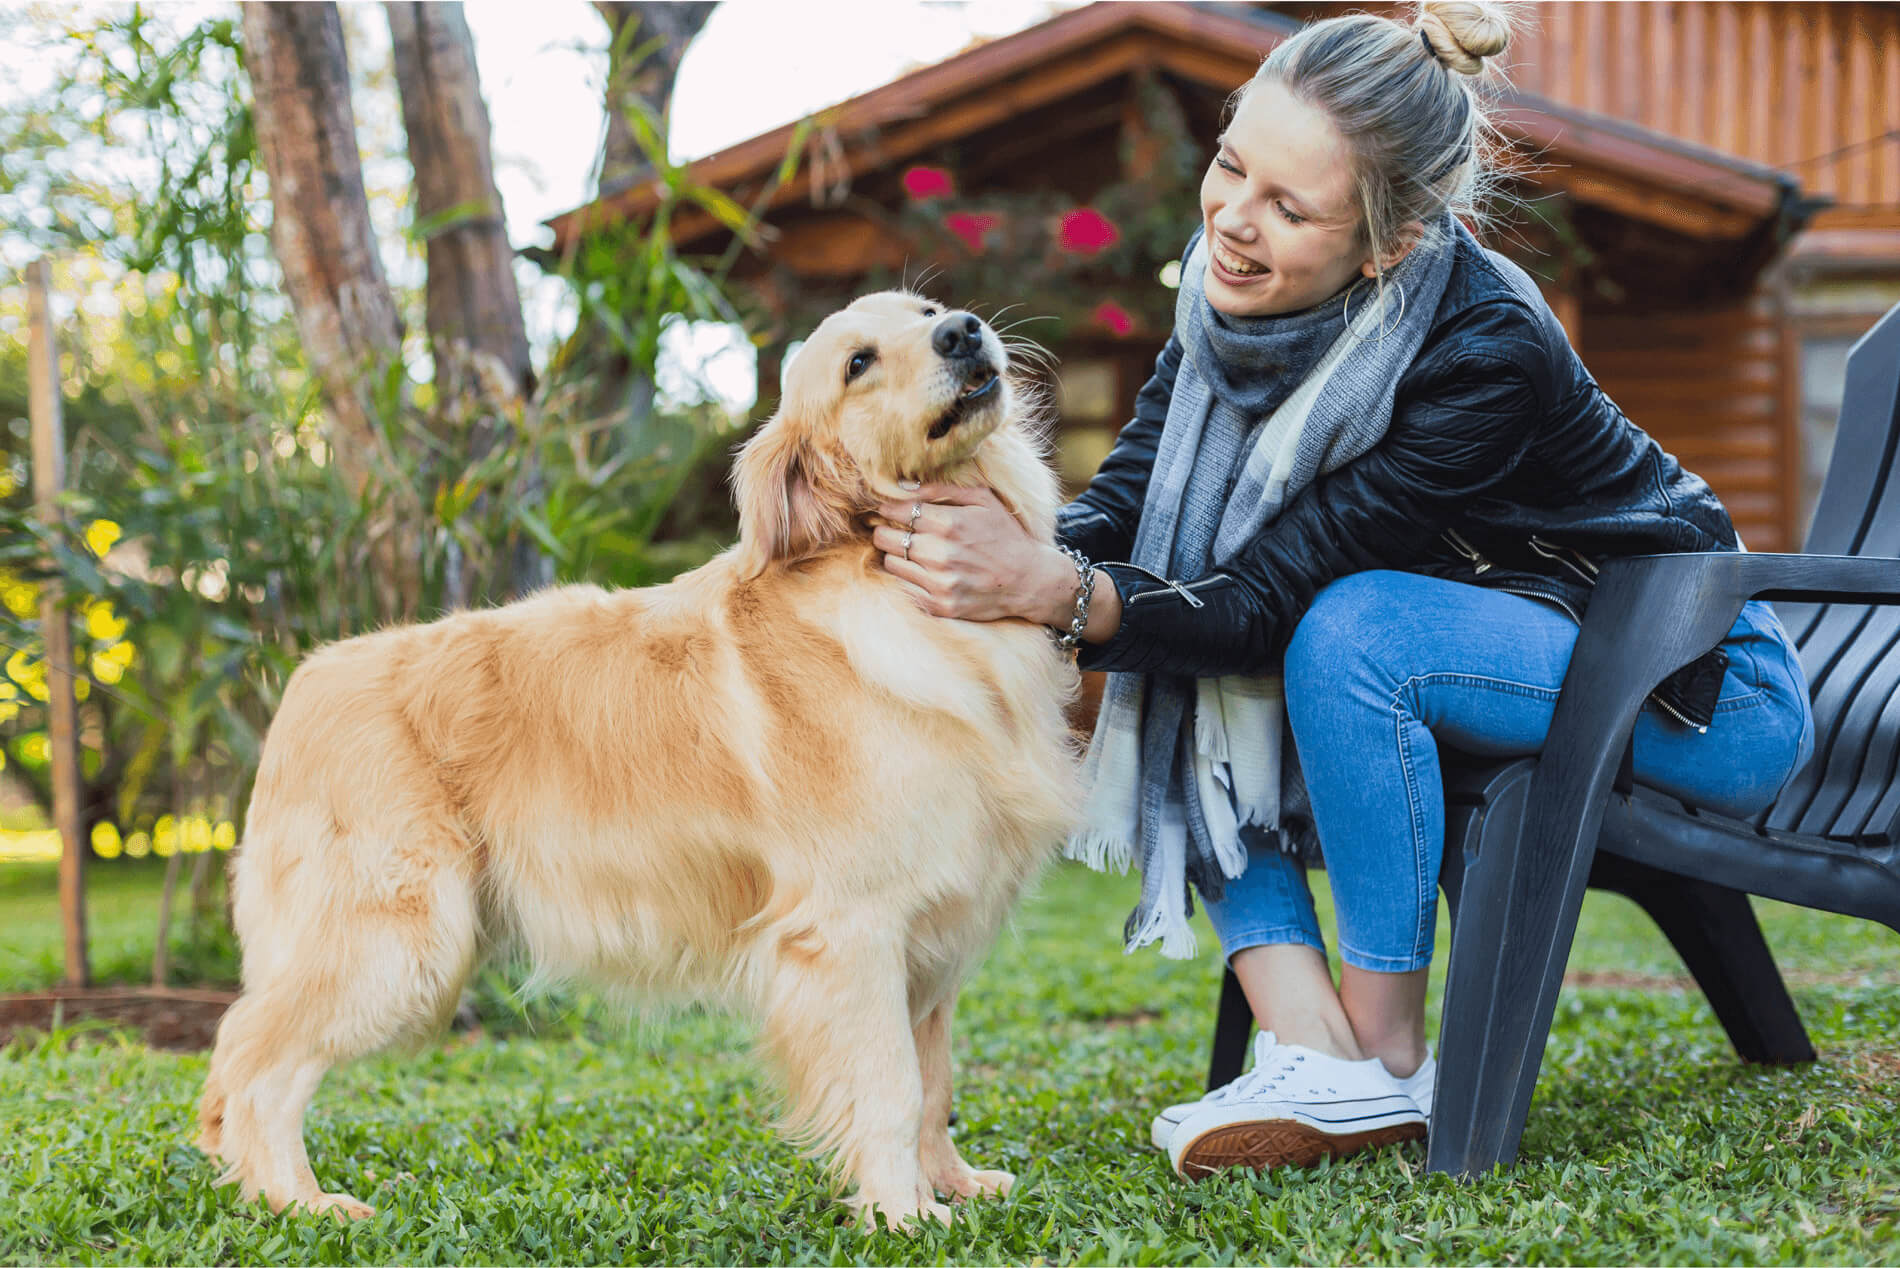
(1183, 772)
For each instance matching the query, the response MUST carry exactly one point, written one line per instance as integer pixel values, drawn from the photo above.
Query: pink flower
(971, 226)
(1113, 316)
(928, 182)
(1086, 231)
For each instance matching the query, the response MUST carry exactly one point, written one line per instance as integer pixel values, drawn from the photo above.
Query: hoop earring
(1346, 311)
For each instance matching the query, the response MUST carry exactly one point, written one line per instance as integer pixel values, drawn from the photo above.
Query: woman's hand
(969, 558)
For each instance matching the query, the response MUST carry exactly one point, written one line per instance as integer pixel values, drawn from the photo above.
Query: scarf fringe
(1170, 929)
(1099, 850)
(1210, 730)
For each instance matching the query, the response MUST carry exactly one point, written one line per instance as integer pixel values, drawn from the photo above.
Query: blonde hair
(1405, 100)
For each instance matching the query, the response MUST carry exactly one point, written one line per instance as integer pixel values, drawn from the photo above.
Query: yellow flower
(138, 845)
(100, 535)
(224, 836)
(29, 674)
(196, 836)
(165, 837)
(22, 598)
(102, 624)
(105, 840)
(35, 749)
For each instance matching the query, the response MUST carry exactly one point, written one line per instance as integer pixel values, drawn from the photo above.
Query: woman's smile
(1237, 269)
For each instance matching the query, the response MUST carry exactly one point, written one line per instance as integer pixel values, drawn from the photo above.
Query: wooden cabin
(1055, 170)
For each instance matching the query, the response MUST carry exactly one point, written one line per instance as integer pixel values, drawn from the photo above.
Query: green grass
(122, 918)
(596, 1141)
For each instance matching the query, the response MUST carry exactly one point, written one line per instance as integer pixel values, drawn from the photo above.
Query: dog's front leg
(838, 1025)
(936, 1152)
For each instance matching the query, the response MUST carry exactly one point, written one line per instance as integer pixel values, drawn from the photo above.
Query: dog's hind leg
(837, 1025)
(341, 981)
(936, 1152)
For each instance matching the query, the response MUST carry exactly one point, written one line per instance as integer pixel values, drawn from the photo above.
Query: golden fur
(773, 783)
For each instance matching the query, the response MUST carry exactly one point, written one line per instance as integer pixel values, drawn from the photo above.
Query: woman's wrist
(1058, 590)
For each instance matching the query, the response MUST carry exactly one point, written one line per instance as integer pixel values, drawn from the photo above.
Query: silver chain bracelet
(1071, 639)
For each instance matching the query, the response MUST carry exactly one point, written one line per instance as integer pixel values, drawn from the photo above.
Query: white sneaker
(1298, 1106)
(1161, 1131)
(1422, 1084)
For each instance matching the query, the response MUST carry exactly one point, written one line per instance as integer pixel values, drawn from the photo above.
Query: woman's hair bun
(1464, 32)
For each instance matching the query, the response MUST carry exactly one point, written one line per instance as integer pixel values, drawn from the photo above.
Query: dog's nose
(958, 335)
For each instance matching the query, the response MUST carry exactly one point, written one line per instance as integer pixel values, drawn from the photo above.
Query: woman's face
(1282, 224)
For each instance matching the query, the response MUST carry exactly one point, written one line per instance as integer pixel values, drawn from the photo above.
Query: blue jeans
(1386, 665)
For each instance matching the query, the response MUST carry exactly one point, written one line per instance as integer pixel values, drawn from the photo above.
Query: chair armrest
(1652, 614)
(1649, 616)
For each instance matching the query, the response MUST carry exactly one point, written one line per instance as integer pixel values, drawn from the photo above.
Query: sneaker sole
(1282, 1143)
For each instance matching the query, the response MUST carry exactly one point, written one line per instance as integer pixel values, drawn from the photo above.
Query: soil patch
(178, 1019)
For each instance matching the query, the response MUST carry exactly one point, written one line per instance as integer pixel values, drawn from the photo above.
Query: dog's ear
(787, 491)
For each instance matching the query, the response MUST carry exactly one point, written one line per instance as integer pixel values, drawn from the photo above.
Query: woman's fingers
(912, 573)
(891, 542)
(957, 494)
(941, 497)
(918, 516)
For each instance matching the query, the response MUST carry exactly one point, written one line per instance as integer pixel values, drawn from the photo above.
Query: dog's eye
(860, 362)
(930, 312)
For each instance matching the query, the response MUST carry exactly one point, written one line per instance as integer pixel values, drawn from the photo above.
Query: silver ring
(907, 537)
(916, 509)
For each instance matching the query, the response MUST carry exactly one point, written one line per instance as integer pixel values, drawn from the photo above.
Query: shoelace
(1265, 1071)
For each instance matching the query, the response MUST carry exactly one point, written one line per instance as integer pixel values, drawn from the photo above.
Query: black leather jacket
(1505, 466)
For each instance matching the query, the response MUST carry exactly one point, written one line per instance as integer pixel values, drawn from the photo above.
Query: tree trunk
(474, 307)
(647, 80)
(647, 42)
(473, 304)
(320, 226)
(322, 237)
(62, 726)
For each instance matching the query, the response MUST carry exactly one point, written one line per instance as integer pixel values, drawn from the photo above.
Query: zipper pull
(1480, 565)
(1173, 585)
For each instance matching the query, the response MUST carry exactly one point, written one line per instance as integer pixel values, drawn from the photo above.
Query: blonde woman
(1355, 517)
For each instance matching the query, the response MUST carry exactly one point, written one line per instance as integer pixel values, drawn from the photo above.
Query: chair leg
(1511, 932)
(1715, 932)
(1233, 1024)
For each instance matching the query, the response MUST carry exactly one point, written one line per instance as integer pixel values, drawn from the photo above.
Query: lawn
(588, 1139)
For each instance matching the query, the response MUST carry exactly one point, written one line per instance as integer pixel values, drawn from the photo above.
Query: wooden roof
(1686, 191)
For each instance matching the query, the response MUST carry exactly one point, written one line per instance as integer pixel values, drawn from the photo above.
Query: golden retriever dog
(774, 783)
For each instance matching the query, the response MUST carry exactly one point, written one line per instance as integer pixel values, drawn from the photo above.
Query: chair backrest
(1851, 652)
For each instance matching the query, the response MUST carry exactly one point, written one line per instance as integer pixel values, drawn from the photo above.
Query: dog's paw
(341, 1205)
(978, 1184)
(899, 1220)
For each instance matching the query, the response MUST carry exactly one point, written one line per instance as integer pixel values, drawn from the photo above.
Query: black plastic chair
(1524, 838)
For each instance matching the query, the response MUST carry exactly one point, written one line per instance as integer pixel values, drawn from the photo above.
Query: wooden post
(49, 478)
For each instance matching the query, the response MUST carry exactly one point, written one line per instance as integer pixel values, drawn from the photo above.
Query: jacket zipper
(1570, 559)
(1557, 599)
(1175, 586)
(1479, 564)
